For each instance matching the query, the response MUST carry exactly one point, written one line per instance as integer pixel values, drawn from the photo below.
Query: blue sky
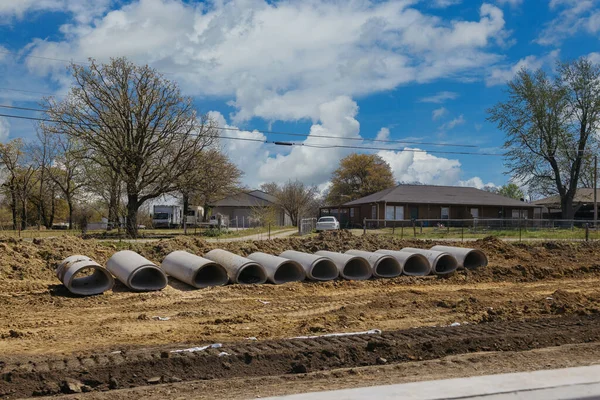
(420, 71)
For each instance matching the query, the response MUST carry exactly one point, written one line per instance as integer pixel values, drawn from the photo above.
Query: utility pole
(595, 189)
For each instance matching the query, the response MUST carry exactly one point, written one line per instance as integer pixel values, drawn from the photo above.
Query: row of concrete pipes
(83, 276)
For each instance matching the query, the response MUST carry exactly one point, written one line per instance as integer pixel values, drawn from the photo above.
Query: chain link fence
(307, 225)
(469, 229)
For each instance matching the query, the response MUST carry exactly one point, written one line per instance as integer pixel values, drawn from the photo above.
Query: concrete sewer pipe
(442, 263)
(350, 267)
(240, 269)
(383, 265)
(84, 276)
(467, 258)
(413, 264)
(136, 272)
(317, 268)
(279, 270)
(194, 270)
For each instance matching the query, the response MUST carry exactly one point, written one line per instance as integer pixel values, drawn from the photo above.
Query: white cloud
(451, 124)
(82, 10)
(575, 16)
(444, 3)
(501, 75)
(439, 113)
(512, 3)
(383, 134)
(439, 97)
(278, 60)
(476, 182)
(314, 166)
(594, 57)
(4, 129)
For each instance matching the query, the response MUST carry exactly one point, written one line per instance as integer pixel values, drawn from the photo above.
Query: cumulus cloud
(314, 165)
(279, 60)
(4, 129)
(594, 57)
(574, 16)
(82, 10)
(512, 3)
(501, 75)
(452, 123)
(383, 134)
(444, 3)
(439, 113)
(439, 97)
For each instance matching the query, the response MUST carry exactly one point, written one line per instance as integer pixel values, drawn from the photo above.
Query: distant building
(242, 208)
(583, 203)
(429, 202)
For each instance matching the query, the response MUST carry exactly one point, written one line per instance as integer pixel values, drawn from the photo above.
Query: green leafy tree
(511, 190)
(359, 175)
(550, 125)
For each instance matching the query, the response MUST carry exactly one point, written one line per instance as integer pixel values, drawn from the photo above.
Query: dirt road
(40, 321)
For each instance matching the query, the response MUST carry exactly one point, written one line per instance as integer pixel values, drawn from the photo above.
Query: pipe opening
(475, 259)
(211, 275)
(252, 273)
(417, 265)
(288, 272)
(148, 278)
(90, 280)
(324, 270)
(445, 264)
(388, 267)
(357, 269)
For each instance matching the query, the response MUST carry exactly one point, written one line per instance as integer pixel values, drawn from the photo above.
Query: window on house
(389, 213)
(475, 212)
(373, 212)
(399, 213)
(516, 213)
(352, 213)
(445, 212)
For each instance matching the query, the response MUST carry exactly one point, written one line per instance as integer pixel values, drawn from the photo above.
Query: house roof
(254, 198)
(443, 195)
(582, 195)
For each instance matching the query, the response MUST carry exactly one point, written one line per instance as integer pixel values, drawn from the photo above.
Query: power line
(297, 134)
(279, 143)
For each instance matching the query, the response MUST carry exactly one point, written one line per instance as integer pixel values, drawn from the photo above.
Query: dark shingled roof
(255, 198)
(582, 195)
(443, 195)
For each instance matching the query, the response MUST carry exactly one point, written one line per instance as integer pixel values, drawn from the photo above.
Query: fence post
(414, 229)
(364, 226)
(394, 228)
(519, 229)
(587, 232)
(269, 231)
(401, 231)
(462, 232)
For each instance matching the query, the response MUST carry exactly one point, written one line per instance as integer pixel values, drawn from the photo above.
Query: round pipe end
(324, 270)
(90, 280)
(289, 271)
(387, 267)
(417, 265)
(211, 274)
(475, 259)
(445, 264)
(357, 269)
(251, 273)
(148, 278)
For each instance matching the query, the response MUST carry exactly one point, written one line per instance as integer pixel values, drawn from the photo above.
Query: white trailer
(194, 215)
(167, 217)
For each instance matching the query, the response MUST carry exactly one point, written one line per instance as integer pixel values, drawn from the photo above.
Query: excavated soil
(41, 321)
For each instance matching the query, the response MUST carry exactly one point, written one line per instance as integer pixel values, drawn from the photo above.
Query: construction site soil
(530, 296)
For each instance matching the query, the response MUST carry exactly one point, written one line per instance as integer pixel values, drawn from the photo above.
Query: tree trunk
(13, 208)
(566, 204)
(113, 207)
(132, 211)
(52, 211)
(23, 215)
(70, 204)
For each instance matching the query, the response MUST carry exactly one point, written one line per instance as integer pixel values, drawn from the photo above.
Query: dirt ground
(39, 319)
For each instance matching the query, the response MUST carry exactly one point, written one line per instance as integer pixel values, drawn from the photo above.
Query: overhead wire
(269, 132)
(314, 145)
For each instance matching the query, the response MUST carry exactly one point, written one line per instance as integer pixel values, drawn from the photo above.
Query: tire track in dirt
(25, 376)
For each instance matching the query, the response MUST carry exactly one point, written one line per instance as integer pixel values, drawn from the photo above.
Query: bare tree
(550, 124)
(296, 199)
(134, 122)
